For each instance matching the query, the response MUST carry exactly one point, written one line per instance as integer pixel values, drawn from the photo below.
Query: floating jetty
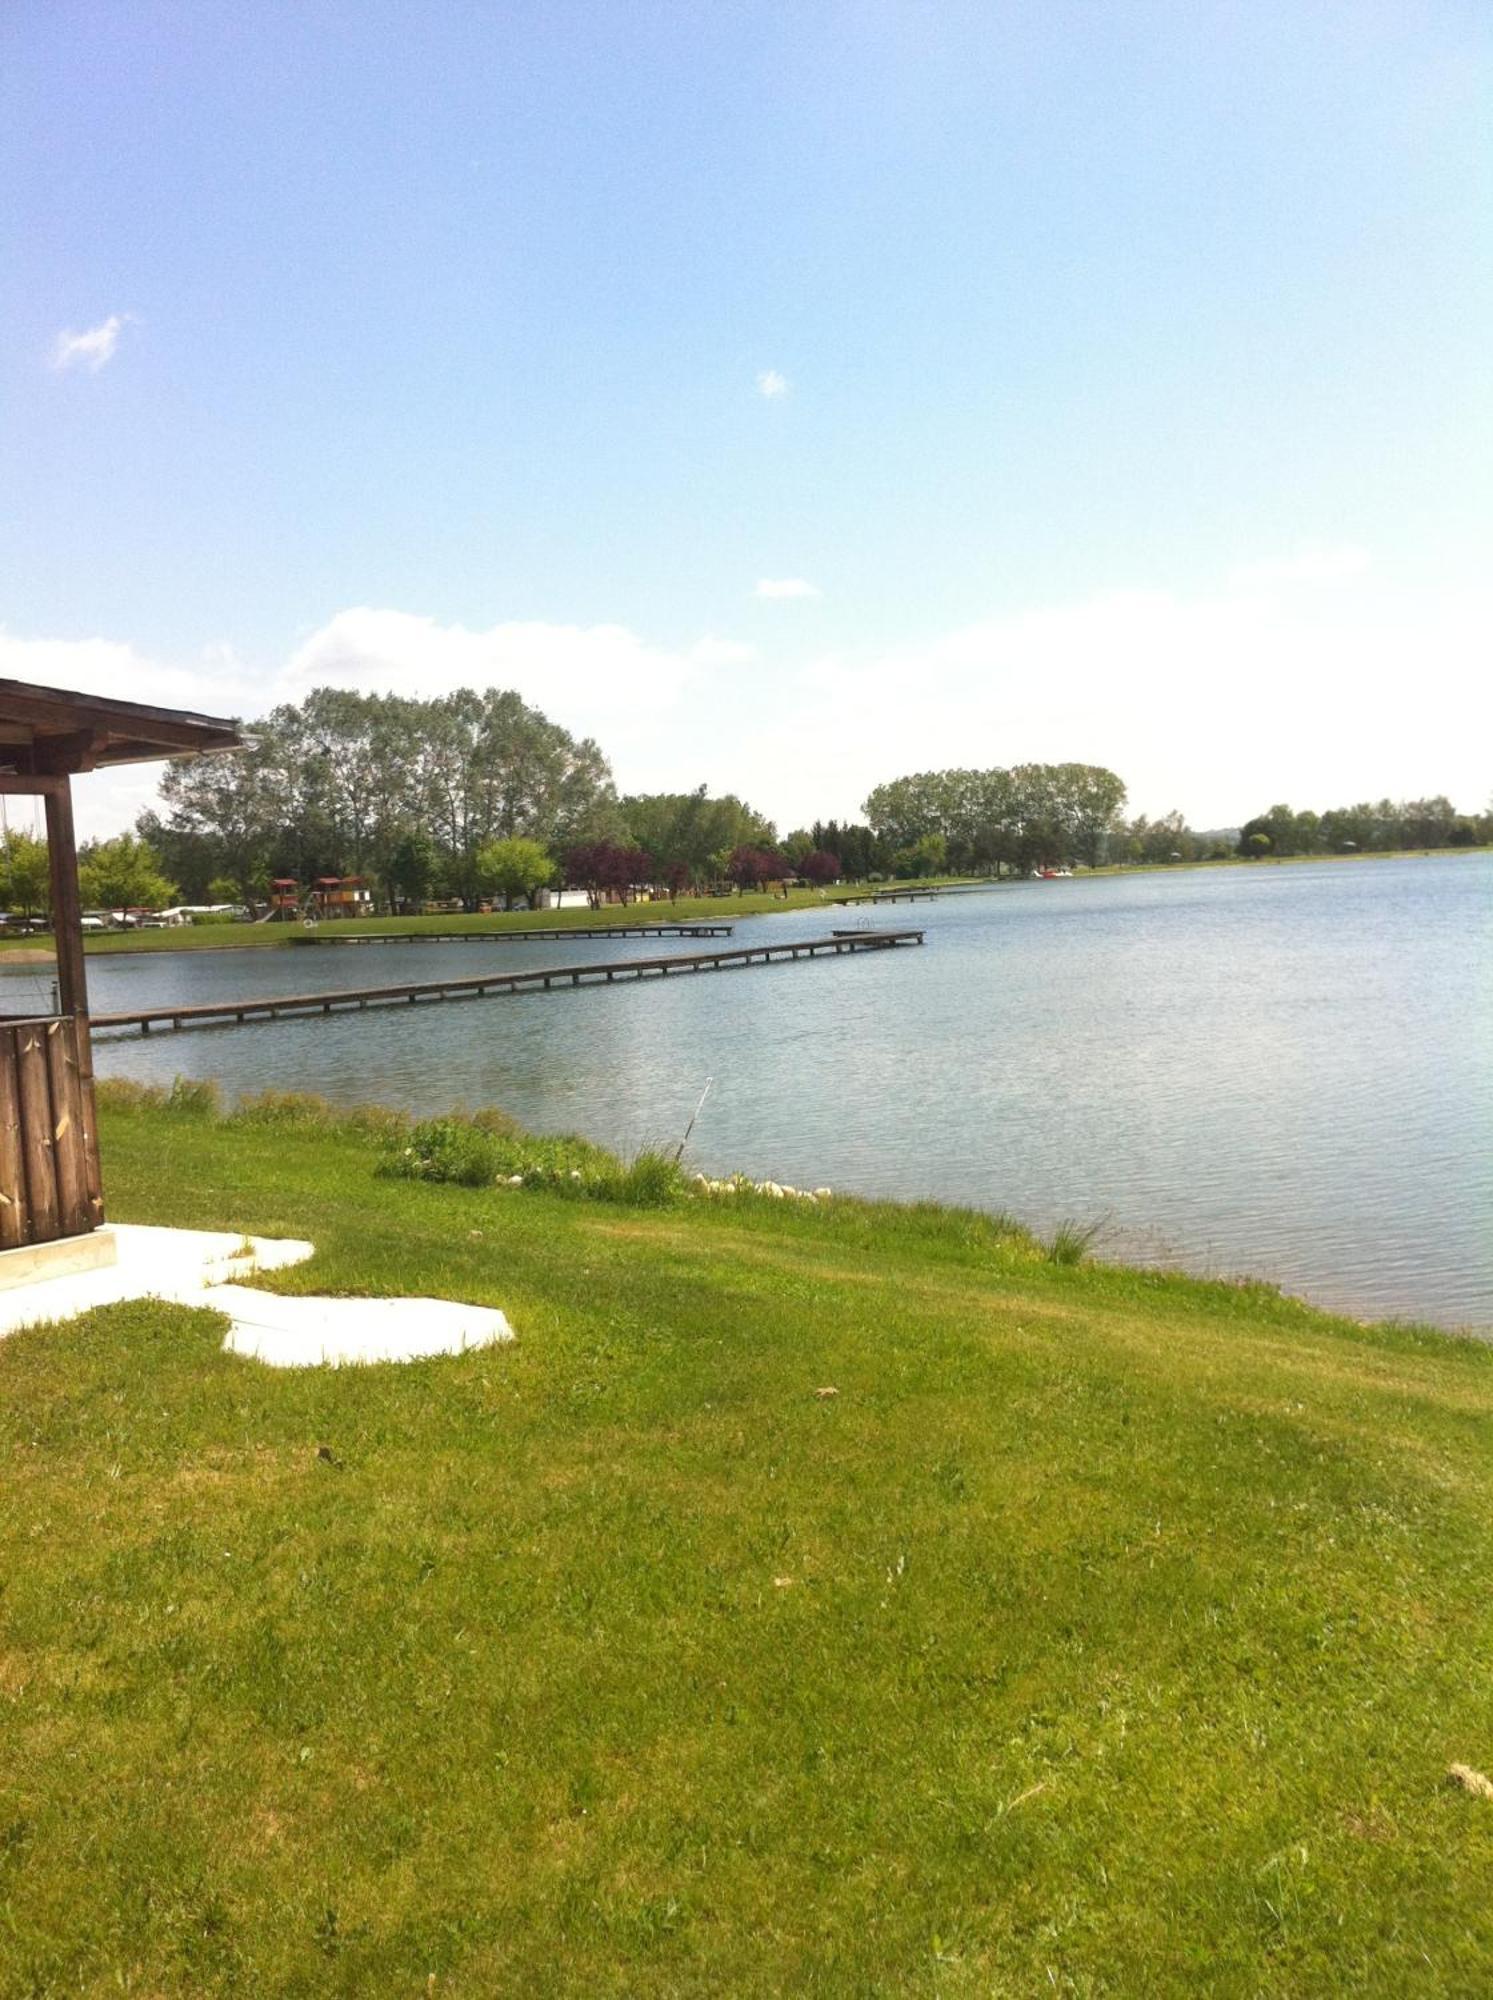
(541, 979)
(550, 936)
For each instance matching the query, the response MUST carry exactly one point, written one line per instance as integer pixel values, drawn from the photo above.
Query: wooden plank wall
(49, 1173)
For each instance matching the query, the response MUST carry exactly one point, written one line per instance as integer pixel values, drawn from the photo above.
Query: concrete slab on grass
(174, 1264)
(203, 1267)
(305, 1332)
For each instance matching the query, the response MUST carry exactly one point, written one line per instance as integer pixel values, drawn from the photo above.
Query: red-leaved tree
(821, 867)
(750, 867)
(601, 865)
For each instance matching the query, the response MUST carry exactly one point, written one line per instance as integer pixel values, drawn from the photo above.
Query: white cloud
(109, 800)
(218, 686)
(712, 652)
(93, 348)
(586, 677)
(771, 384)
(1339, 562)
(1218, 702)
(785, 586)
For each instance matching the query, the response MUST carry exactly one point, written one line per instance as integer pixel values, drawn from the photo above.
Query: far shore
(687, 909)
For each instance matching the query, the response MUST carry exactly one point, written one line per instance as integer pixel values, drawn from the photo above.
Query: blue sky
(1126, 371)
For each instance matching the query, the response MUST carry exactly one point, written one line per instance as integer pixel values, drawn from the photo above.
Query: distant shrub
(449, 1149)
(489, 1150)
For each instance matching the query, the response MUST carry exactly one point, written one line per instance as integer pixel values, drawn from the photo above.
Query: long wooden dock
(893, 896)
(911, 893)
(541, 979)
(332, 935)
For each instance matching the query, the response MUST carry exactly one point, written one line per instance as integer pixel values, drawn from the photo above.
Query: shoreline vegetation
(489, 1149)
(231, 936)
(345, 804)
(832, 1596)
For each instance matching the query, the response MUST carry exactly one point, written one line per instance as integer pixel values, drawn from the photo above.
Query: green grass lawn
(1105, 1634)
(688, 909)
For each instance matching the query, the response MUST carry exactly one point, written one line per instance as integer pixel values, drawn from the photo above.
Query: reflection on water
(1281, 1070)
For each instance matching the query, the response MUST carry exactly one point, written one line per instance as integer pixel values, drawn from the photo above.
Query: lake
(1285, 1071)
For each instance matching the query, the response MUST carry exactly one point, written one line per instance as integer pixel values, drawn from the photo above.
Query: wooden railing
(49, 1165)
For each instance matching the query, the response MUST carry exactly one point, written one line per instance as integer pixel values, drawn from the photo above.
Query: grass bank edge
(487, 1151)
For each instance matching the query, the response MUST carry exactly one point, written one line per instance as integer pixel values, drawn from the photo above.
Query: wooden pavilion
(50, 1184)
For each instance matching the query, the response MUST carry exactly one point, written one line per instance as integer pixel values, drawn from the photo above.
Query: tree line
(1390, 827)
(474, 797)
(463, 797)
(1016, 819)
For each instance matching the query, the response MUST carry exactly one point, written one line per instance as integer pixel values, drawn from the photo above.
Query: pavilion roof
(52, 731)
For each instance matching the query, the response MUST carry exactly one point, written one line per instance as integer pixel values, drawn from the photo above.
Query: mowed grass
(1104, 1633)
(687, 909)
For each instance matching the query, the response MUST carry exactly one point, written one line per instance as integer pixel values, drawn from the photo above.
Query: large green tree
(690, 835)
(514, 867)
(122, 874)
(25, 879)
(1019, 818)
(341, 782)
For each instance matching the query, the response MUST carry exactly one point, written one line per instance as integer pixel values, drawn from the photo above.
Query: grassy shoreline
(1283, 860)
(688, 909)
(1105, 1632)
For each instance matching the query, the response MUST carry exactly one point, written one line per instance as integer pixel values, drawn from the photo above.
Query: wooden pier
(541, 979)
(911, 893)
(893, 896)
(551, 936)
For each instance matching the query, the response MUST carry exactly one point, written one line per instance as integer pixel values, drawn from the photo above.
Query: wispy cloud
(786, 586)
(92, 348)
(771, 384)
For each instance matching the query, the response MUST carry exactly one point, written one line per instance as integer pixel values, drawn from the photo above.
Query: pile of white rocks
(774, 1190)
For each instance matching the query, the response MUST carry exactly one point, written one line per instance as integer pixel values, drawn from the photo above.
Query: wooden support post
(37, 1144)
(15, 1225)
(72, 980)
(73, 1217)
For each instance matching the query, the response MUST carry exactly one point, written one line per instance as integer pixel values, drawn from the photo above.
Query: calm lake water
(1285, 1071)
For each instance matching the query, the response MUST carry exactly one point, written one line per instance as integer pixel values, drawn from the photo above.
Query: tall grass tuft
(1071, 1242)
(304, 1111)
(188, 1097)
(652, 1181)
